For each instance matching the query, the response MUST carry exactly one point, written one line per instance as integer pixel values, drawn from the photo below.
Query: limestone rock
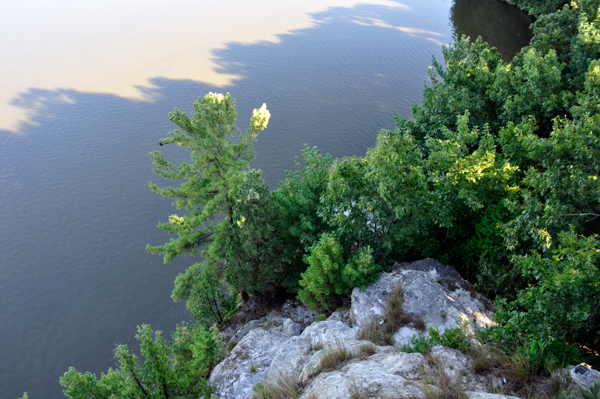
(277, 347)
(293, 359)
(482, 395)
(385, 374)
(584, 376)
(291, 328)
(453, 362)
(341, 315)
(249, 361)
(246, 328)
(296, 311)
(432, 291)
(285, 326)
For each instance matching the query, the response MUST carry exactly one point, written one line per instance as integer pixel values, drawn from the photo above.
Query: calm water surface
(86, 88)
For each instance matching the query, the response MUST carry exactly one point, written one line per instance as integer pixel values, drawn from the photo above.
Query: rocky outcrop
(432, 292)
(280, 352)
(584, 376)
(248, 362)
(387, 373)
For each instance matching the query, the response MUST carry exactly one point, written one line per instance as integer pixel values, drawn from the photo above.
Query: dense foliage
(538, 7)
(498, 174)
(328, 276)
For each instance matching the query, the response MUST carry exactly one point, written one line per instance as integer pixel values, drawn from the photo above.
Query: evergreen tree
(217, 165)
(253, 247)
(178, 370)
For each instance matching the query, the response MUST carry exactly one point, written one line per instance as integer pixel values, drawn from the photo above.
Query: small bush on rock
(322, 281)
(419, 344)
(327, 277)
(452, 337)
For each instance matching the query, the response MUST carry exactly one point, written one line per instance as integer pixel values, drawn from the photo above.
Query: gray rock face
(249, 361)
(432, 291)
(481, 395)
(276, 323)
(296, 311)
(280, 349)
(291, 328)
(384, 374)
(584, 376)
(300, 356)
(341, 315)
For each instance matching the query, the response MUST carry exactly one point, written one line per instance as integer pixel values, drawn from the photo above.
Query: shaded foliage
(252, 248)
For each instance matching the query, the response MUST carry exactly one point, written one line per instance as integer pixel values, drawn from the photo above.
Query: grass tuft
(437, 384)
(334, 355)
(419, 324)
(366, 350)
(381, 332)
(486, 358)
(313, 347)
(283, 386)
(356, 391)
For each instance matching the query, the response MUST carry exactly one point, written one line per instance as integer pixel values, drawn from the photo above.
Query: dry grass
(419, 324)
(486, 358)
(519, 374)
(381, 332)
(356, 391)
(366, 350)
(437, 384)
(283, 386)
(313, 347)
(559, 384)
(314, 394)
(524, 380)
(334, 355)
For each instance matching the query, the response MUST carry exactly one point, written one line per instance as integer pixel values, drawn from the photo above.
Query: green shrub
(298, 199)
(451, 337)
(207, 301)
(561, 307)
(179, 369)
(328, 277)
(360, 270)
(418, 344)
(322, 282)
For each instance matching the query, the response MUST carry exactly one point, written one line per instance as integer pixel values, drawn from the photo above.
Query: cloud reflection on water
(117, 47)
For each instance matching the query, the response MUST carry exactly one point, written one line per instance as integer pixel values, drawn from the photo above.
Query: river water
(86, 88)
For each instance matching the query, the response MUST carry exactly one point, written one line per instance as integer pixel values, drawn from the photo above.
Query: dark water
(75, 208)
(492, 19)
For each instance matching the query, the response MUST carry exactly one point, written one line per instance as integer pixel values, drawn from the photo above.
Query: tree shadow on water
(332, 85)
